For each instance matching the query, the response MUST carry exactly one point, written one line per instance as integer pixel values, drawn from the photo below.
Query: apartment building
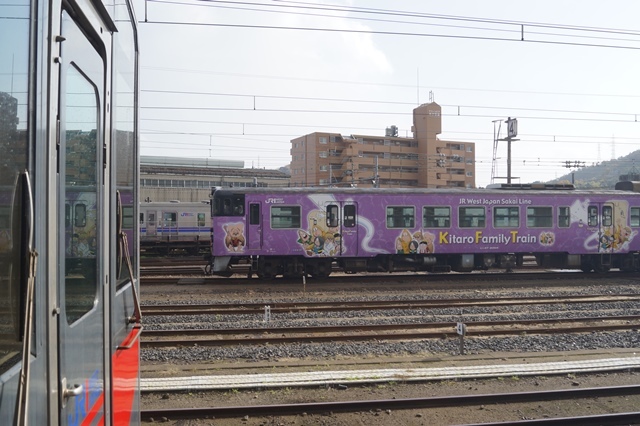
(425, 161)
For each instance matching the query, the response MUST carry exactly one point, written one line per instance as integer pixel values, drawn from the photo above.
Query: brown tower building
(322, 159)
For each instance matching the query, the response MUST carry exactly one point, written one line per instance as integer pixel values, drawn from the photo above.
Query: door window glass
(14, 134)
(80, 190)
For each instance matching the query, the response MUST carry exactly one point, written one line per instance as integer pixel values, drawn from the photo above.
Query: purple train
(312, 231)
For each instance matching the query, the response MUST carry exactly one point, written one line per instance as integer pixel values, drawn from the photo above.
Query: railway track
(381, 332)
(337, 306)
(416, 403)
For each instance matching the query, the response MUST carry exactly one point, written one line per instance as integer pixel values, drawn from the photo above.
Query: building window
(400, 217)
(469, 174)
(506, 217)
(469, 148)
(323, 140)
(540, 217)
(323, 154)
(471, 217)
(436, 217)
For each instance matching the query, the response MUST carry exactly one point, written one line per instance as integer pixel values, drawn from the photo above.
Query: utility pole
(575, 165)
(512, 132)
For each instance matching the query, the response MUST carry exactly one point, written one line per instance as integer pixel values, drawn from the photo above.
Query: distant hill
(606, 173)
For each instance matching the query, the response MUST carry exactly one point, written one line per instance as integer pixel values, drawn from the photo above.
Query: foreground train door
(80, 161)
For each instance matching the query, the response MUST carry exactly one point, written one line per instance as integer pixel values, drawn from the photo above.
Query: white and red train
(311, 231)
(69, 312)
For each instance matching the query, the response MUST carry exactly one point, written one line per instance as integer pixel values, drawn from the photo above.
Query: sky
(238, 80)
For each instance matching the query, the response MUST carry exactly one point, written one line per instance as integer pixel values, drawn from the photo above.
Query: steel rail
(279, 307)
(476, 329)
(413, 403)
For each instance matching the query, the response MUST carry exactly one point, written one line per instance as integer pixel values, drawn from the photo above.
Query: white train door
(81, 274)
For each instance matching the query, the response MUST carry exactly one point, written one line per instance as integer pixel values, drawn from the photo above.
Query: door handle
(74, 391)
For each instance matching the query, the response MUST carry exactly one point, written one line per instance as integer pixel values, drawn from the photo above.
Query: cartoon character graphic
(547, 238)
(318, 245)
(421, 242)
(234, 239)
(319, 239)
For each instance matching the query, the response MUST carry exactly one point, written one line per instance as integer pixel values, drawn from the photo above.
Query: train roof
(566, 190)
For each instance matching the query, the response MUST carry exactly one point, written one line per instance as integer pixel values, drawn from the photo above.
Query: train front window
(228, 205)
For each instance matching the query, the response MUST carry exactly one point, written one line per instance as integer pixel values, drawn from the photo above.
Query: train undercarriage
(269, 267)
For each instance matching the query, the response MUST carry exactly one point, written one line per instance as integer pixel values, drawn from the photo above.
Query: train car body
(69, 311)
(310, 231)
(175, 227)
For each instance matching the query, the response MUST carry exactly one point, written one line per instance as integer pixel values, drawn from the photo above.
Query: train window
(564, 217)
(349, 212)
(201, 219)
(635, 216)
(436, 217)
(471, 217)
(127, 217)
(229, 206)
(169, 219)
(332, 216)
(285, 217)
(400, 217)
(67, 215)
(141, 217)
(592, 216)
(238, 205)
(254, 214)
(607, 214)
(80, 216)
(152, 218)
(506, 217)
(539, 217)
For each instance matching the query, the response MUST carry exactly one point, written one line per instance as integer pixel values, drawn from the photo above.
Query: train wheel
(322, 269)
(267, 269)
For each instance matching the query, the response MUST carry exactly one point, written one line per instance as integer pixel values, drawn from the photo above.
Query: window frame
(535, 219)
(400, 213)
(482, 219)
(435, 217)
(508, 215)
(296, 216)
